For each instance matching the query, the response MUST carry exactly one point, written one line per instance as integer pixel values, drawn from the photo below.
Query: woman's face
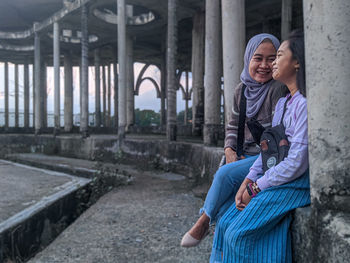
(260, 66)
(285, 66)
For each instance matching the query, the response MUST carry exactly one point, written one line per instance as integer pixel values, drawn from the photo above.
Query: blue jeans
(224, 187)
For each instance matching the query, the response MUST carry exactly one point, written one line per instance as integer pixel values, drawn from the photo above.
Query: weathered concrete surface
(143, 222)
(22, 186)
(36, 205)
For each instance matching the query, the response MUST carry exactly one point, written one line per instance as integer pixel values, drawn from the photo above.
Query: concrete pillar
(186, 99)
(122, 87)
(286, 18)
(84, 111)
(26, 95)
(115, 73)
(130, 104)
(212, 80)
(56, 65)
(33, 102)
(68, 92)
(109, 79)
(16, 96)
(198, 73)
(233, 42)
(327, 55)
(6, 91)
(163, 73)
(97, 88)
(38, 94)
(43, 90)
(104, 97)
(171, 70)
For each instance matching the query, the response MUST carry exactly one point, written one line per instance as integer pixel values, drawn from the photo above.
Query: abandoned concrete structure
(187, 36)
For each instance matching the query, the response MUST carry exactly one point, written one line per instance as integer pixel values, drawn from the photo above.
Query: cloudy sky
(146, 99)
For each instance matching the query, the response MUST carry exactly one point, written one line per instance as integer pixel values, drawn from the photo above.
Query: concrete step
(36, 205)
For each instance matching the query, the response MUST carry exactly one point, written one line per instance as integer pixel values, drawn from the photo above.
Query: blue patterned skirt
(260, 233)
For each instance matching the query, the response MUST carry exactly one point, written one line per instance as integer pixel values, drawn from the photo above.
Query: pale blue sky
(146, 100)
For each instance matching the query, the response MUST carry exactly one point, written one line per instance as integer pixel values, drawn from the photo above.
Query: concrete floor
(141, 222)
(22, 187)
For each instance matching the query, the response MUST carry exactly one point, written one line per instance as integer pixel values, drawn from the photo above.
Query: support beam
(327, 42)
(68, 93)
(163, 82)
(122, 69)
(84, 110)
(286, 18)
(198, 33)
(37, 81)
(16, 96)
(212, 81)
(109, 80)
(97, 88)
(43, 90)
(6, 78)
(171, 70)
(56, 65)
(115, 71)
(26, 95)
(186, 99)
(104, 97)
(233, 42)
(130, 82)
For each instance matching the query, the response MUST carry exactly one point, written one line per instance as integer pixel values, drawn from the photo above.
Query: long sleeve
(296, 163)
(232, 126)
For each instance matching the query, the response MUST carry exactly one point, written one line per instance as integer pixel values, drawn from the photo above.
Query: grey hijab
(255, 92)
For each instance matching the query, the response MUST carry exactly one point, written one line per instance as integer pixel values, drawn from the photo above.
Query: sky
(147, 98)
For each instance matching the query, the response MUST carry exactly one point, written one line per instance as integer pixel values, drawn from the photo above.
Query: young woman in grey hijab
(261, 93)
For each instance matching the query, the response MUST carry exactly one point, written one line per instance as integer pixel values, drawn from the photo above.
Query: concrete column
(68, 92)
(327, 55)
(171, 70)
(163, 92)
(286, 18)
(186, 99)
(84, 111)
(56, 65)
(233, 42)
(122, 69)
(43, 90)
(198, 73)
(104, 97)
(38, 94)
(327, 33)
(97, 88)
(212, 80)
(16, 95)
(26, 95)
(6, 91)
(115, 73)
(130, 95)
(33, 102)
(109, 79)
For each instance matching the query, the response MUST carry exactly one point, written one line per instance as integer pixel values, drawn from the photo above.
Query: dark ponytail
(296, 45)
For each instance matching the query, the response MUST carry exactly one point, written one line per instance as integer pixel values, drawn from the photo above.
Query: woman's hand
(241, 197)
(231, 155)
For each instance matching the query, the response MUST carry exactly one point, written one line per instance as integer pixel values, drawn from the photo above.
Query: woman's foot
(197, 233)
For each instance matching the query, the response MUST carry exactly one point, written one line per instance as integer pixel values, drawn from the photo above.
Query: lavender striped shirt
(296, 163)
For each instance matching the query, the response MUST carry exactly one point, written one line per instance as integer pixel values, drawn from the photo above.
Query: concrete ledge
(25, 233)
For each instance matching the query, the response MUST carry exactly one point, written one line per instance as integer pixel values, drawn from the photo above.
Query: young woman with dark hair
(256, 227)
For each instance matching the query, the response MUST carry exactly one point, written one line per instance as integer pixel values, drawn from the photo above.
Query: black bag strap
(241, 123)
(284, 108)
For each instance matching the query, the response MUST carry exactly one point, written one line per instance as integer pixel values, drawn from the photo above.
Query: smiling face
(260, 66)
(285, 66)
